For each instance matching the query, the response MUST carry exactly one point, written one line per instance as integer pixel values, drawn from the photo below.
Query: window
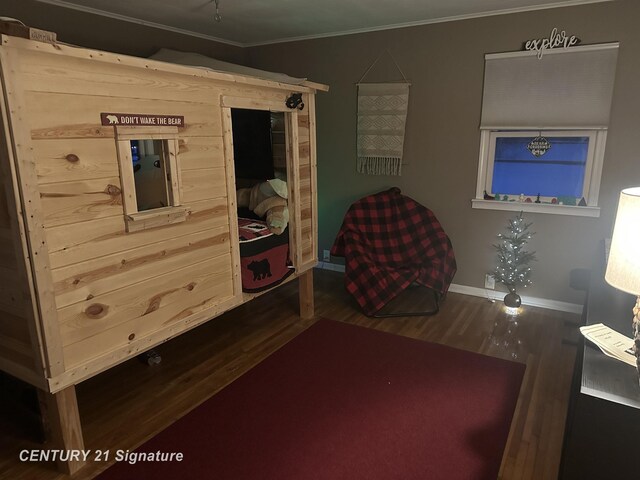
(150, 175)
(562, 173)
(564, 98)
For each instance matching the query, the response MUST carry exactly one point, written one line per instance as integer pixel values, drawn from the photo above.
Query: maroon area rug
(346, 402)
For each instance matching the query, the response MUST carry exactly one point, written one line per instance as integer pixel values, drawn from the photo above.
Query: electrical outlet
(489, 282)
(326, 256)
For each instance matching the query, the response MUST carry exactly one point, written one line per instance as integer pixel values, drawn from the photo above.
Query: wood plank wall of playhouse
(112, 287)
(307, 185)
(19, 352)
(15, 339)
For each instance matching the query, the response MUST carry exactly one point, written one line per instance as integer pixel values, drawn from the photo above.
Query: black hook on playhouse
(295, 101)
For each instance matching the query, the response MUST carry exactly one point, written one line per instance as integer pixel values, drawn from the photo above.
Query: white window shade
(566, 88)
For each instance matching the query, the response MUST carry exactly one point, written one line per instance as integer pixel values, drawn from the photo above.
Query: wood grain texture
(293, 182)
(78, 281)
(73, 202)
(232, 201)
(203, 184)
(155, 67)
(30, 242)
(275, 104)
(95, 158)
(128, 194)
(87, 240)
(306, 294)
(19, 351)
(82, 115)
(200, 152)
(101, 325)
(198, 364)
(44, 72)
(63, 419)
(97, 314)
(308, 183)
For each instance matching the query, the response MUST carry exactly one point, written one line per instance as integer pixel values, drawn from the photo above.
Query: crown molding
(506, 11)
(453, 18)
(138, 21)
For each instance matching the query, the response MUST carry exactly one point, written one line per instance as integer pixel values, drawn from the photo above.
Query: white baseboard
(331, 266)
(526, 300)
(485, 293)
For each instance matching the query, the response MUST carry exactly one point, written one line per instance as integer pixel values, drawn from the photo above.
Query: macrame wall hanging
(382, 115)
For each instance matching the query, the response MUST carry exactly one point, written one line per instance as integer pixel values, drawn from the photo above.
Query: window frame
(593, 171)
(175, 212)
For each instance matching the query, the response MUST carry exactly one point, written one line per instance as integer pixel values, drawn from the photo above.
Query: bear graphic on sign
(112, 119)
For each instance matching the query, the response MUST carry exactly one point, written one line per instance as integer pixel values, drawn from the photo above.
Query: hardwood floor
(130, 403)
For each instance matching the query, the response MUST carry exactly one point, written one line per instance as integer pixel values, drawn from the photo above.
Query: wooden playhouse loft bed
(92, 275)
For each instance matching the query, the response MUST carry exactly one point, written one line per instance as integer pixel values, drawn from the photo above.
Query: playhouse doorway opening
(262, 193)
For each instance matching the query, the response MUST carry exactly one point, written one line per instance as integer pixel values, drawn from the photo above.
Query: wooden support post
(61, 421)
(305, 286)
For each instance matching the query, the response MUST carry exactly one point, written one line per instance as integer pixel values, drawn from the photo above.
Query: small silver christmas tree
(513, 270)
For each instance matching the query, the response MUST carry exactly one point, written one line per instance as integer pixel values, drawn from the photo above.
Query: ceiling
(256, 22)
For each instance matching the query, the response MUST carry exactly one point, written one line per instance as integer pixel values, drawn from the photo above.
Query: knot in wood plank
(112, 190)
(96, 310)
(154, 305)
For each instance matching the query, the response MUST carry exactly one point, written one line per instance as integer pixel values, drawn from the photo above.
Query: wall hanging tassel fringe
(380, 165)
(382, 115)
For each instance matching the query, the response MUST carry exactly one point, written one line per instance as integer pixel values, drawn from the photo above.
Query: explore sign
(556, 39)
(141, 120)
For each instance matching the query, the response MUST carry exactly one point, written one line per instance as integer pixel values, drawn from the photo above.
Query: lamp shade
(623, 267)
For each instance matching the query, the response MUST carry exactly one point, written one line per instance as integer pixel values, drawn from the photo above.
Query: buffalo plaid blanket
(389, 241)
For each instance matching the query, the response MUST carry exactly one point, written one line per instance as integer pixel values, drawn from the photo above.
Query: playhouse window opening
(150, 178)
(150, 173)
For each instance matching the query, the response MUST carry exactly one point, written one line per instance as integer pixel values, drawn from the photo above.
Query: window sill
(155, 218)
(536, 208)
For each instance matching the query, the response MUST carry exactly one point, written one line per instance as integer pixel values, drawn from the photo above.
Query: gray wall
(445, 64)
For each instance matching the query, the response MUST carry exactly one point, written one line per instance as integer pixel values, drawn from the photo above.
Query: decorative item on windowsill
(623, 265)
(513, 270)
(489, 197)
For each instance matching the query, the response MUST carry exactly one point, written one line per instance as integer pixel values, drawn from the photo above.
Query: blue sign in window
(559, 172)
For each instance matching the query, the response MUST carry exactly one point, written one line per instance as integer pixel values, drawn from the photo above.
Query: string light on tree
(513, 270)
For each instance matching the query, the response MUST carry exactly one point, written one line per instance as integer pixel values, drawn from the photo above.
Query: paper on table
(612, 343)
